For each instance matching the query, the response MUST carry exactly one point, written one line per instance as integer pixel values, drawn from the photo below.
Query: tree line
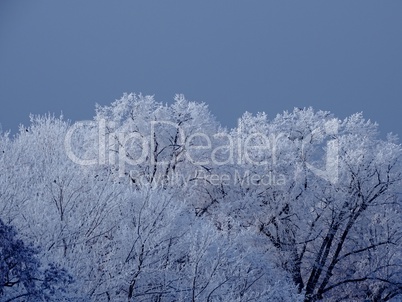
(158, 202)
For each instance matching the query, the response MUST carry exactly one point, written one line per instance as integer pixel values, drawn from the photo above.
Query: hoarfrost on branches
(158, 202)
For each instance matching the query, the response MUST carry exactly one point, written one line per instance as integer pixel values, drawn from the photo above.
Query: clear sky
(341, 56)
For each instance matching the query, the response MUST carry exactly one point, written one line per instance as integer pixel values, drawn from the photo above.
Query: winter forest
(151, 201)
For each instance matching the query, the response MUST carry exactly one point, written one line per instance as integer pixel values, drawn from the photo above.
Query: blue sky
(341, 56)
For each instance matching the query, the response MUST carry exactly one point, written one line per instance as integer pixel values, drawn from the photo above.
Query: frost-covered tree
(150, 141)
(163, 252)
(334, 220)
(54, 203)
